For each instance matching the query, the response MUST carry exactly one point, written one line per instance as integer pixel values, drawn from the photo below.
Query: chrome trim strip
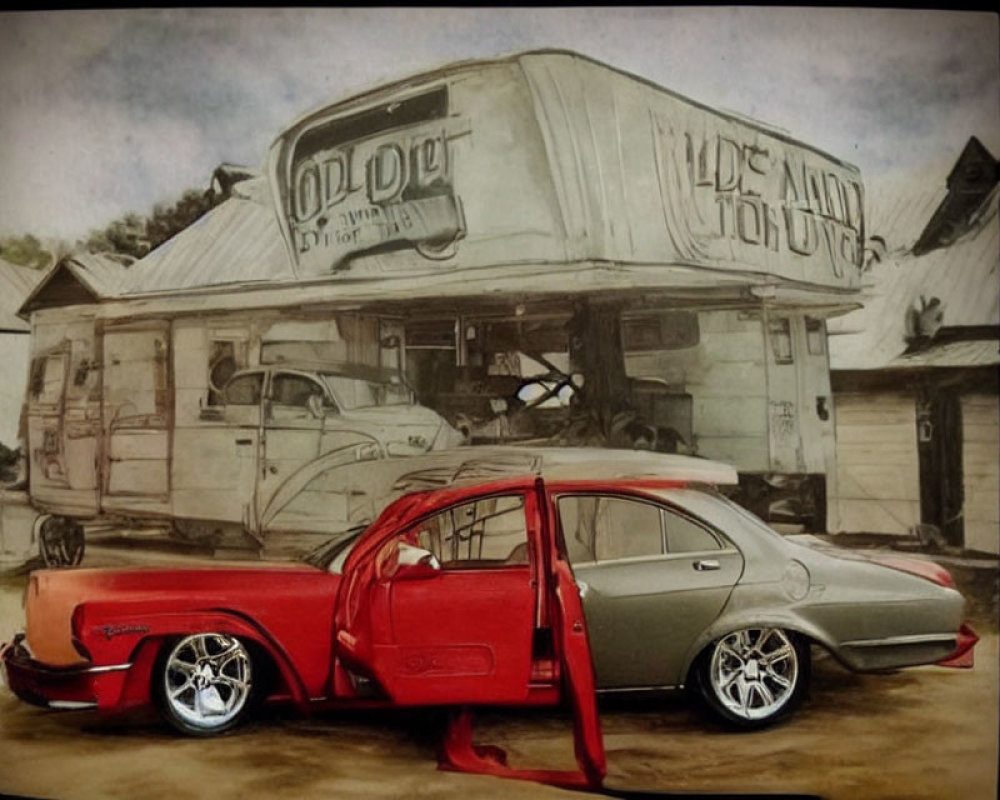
(71, 705)
(109, 668)
(893, 641)
(623, 689)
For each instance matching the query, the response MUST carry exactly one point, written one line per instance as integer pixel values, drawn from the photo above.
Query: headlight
(404, 449)
(447, 437)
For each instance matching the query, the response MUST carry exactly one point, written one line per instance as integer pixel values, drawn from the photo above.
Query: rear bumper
(942, 649)
(72, 687)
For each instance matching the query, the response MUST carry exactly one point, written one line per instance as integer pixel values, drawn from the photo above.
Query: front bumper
(71, 687)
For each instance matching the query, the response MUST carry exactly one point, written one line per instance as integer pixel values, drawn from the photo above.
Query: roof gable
(59, 288)
(82, 278)
(969, 184)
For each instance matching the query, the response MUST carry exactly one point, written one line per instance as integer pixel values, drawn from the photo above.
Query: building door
(137, 417)
(800, 416)
(939, 446)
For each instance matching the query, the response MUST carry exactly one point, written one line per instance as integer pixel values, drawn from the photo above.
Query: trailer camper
(539, 218)
(198, 420)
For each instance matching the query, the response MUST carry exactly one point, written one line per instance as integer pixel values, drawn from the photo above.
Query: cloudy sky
(103, 112)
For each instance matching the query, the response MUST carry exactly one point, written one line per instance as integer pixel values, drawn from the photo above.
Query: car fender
(731, 620)
(154, 629)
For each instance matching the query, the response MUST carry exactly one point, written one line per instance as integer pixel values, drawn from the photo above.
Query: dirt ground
(920, 733)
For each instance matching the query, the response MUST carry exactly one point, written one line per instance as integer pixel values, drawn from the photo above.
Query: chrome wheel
(754, 673)
(207, 681)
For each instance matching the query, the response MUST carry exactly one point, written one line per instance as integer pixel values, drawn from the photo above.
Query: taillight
(923, 569)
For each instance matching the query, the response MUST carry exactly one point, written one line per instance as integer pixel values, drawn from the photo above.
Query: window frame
(725, 544)
(329, 404)
(780, 329)
(460, 565)
(260, 374)
(815, 344)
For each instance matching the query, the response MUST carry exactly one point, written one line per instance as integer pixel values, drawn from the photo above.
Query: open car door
(462, 598)
(445, 603)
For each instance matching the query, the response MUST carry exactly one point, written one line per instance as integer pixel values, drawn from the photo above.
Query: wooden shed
(915, 371)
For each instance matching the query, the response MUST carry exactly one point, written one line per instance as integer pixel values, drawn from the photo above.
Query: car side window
(245, 390)
(297, 397)
(687, 536)
(487, 532)
(608, 528)
(298, 391)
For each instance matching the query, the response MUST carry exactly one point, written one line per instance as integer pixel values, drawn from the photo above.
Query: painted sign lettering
(379, 178)
(347, 200)
(771, 197)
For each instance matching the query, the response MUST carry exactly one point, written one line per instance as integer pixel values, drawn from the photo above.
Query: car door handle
(705, 564)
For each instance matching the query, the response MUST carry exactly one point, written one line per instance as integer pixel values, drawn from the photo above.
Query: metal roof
(237, 242)
(104, 275)
(983, 353)
(16, 283)
(897, 208)
(964, 276)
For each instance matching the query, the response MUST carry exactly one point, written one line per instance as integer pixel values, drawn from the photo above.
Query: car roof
(478, 464)
(360, 371)
(383, 480)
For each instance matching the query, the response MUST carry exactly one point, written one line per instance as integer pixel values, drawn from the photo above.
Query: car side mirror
(414, 563)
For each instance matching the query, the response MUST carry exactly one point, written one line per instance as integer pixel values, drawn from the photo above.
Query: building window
(47, 377)
(815, 336)
(225, 357)
(669, 330)
(780, 329)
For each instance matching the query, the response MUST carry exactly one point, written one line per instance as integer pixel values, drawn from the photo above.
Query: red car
(463, 595)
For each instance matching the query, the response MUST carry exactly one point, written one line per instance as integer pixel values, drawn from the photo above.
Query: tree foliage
(135, 235)
(26, 251)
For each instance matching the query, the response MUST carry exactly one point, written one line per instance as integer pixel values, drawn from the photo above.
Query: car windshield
(332, 553)
(351, 392)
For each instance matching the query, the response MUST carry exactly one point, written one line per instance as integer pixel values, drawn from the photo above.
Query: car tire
(60, 541)
(206, 683)
(753, 677)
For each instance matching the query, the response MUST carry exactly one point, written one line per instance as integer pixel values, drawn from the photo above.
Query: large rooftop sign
(553, 159)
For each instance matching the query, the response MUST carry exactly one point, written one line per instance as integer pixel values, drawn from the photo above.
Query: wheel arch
(168, 627)
(808, 631)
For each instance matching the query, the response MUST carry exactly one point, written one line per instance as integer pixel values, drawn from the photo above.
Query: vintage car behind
(516, 582)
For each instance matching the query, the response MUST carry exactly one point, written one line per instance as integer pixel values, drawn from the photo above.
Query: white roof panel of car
(470, 464)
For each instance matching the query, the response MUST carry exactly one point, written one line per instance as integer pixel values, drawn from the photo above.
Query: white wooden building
(915, 371)
(15, 284)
